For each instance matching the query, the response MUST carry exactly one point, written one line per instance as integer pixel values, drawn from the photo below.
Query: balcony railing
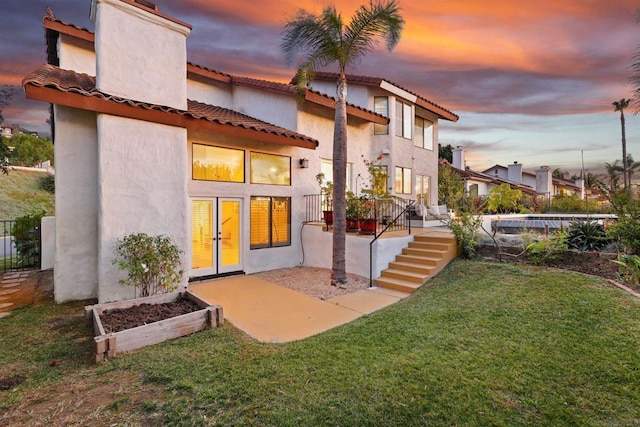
(388, 213)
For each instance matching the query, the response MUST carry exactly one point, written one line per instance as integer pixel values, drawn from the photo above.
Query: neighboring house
(7, 131)
(541, 182)
(147, 142)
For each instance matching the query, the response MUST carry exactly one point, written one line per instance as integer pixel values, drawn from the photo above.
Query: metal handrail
(405, 212)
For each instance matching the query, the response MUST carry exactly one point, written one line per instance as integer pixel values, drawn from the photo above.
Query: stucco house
(541, 182)
(148, 142)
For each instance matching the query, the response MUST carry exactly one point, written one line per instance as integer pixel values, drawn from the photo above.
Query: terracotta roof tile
(82, 84)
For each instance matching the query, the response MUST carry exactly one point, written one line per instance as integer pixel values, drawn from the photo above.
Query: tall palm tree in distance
(620, 106)
(324, 39)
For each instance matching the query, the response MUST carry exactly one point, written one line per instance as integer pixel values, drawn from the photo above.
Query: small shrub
(547, 249)
(464, 228)
(26, 235)
(627, 231)
(629, 267)
(587, 236)
(48, 183)
(153, 263)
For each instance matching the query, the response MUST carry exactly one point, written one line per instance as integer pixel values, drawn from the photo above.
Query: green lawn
(20, 195)
(481, 344)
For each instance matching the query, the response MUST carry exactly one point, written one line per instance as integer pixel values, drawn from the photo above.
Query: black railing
(386, 213)
(20, 244)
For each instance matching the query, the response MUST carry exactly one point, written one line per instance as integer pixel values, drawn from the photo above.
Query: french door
(216, 238)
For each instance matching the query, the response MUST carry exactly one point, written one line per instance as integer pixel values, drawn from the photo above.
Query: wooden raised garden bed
(108, 345)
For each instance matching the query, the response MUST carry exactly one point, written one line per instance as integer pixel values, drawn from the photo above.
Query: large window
(270, 169)
(422, 189)
(270, 222)
(326, 167)
(423, 130)
(381, 106)
(403, 119)
(403, 180)
(217, 163)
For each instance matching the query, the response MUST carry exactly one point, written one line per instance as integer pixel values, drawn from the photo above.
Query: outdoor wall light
(304, 163)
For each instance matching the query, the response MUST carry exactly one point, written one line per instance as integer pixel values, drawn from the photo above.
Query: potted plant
(326, 194)
(354, 212)
(368, 222)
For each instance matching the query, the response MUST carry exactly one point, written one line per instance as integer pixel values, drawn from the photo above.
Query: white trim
(398, 92)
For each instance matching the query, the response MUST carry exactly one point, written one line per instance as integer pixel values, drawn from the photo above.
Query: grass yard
(20, 195)
(481, 344)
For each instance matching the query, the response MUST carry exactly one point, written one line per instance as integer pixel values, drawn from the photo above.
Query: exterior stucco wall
(142, 188)
(76, 55)
(209, 94)
(271, 107)
(139, 55)
(318, 244)
(76, 250)
(302, 182)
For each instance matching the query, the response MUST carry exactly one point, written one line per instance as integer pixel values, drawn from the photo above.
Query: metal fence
(20, 244)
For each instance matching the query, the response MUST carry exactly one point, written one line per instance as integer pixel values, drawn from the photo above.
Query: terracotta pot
(368, 226)
(328, 217)
(353, 225)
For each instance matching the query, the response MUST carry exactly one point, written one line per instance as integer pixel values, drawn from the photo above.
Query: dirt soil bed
(117, 320)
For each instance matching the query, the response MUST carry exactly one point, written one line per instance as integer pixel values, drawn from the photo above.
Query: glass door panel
(229, 237)
(202, 234)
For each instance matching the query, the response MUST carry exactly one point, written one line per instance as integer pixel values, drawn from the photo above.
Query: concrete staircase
(429, 253)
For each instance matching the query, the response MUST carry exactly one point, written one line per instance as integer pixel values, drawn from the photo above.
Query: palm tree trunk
(338, 273)
(624, 152)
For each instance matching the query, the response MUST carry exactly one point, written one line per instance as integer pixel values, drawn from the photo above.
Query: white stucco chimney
(141, 54)
(581, 184)
(514, 172)
(544, 181)
(458, 158)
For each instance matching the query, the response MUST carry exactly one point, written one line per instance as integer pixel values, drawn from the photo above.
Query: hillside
(21, 195)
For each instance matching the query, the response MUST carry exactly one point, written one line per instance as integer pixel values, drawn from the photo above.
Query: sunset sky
(532, 81)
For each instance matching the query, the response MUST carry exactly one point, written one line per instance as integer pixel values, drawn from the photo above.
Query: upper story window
(326, 167)
(403, 119)
(381, 106)
(217, 163)
(270, 169)
(423, 130)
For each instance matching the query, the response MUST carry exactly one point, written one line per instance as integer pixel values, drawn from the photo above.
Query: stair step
(418, 259)
(405, 275)
(397, 284)
(413, 267)
(435, 237)
(432, 253)
(431, 245)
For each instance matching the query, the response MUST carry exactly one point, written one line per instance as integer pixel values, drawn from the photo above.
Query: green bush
(570, 204)
(626, 229)
(26, 236)
(153, 263)
(47, 183)
(464, 228)
(503, 199)
(629, 267)
(547, 249)
(587, 236)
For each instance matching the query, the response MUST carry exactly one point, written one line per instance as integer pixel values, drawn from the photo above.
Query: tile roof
(376, 81)
(68, 81)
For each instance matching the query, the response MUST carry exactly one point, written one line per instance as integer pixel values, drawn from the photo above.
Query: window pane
(217, 163)
(381, 106)
(259, 235)
(422, 190)
(406, 181)
(406, 117)
(326, 167)
(398, 180)
(428, 134)
(281, 221)
(399, 120)
(270, 169)
(418, 138)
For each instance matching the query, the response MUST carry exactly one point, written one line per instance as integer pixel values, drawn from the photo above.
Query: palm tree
(620, 106)
(324, 39)
(613, 173)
